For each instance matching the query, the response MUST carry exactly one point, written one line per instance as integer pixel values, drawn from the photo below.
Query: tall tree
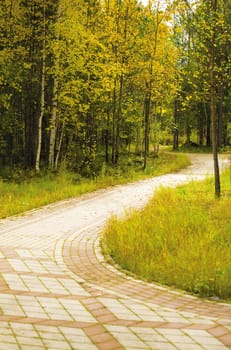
(213, 96)
(159, 66)
(42, 92)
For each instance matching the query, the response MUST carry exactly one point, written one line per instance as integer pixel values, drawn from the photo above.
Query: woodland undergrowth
(21, 192)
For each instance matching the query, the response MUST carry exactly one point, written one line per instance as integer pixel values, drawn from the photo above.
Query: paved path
(57, 292)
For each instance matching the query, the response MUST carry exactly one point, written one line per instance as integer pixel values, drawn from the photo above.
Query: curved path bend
(58, 292)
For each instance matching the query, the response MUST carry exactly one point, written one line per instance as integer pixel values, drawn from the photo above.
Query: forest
(84, 81)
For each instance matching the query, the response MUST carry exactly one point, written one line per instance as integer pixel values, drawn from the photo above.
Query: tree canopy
(86, 80)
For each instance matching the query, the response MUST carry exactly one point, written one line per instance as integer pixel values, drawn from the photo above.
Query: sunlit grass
(182, 238)
(18, 197)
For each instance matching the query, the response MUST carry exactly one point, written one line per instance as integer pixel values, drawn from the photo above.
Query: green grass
(190, 148)
(182, 238)
(19, 196)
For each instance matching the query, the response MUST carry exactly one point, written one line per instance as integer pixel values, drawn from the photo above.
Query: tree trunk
(114, 124)
(42, 99)
(213, 107)
(58, 150)
(118, 119)
(54, 108)
(53, 124)
(30, 111)
(175, 131)
(147, 107)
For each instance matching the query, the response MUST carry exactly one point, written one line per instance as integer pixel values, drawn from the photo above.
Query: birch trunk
(42, 98)
(54, 110)
(53, 124)
(147, 107)
(59, 147)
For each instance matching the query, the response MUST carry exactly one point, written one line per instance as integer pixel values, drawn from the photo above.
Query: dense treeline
(82, 81)
(207, 47)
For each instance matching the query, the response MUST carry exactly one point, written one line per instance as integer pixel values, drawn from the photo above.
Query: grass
(194, 148)
(19, 196)
(182, 238)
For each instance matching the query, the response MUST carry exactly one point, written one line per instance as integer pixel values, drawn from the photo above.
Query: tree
(158, 57)
(81, 79)
(213, 97)
(42, 92)
(205, 81)
(11, 73)
(52, 157)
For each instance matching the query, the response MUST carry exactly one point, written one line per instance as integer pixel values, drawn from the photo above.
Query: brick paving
(58, 292)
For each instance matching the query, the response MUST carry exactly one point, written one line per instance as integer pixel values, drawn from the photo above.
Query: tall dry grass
(182, 238)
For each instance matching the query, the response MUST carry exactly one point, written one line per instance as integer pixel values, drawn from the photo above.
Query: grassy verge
(20, 196)
(182, 238)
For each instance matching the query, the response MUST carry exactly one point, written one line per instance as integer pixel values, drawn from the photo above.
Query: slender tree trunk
(147, 107)
(42, 100)
(118, 119)
(53, 124)
(54, 109)
(213, 106)
(30, 111)
(114, 124)
(175, 131)
(58, 150)
(148, 94)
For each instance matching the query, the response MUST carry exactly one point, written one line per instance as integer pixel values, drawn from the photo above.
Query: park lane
(57, 292)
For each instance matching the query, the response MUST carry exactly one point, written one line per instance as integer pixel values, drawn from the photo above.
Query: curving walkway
(57, 292)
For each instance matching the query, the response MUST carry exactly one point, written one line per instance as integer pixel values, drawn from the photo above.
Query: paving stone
(179, 339)
(32, 341)
(77, 311)
(215, 347)
(5, 338)
(15, 282)
(73, 287)
(8, 346)
(161, 346)
(119, 310)
(57, 344)
(170, 332)
(18, 265)
(10, 306)
(79, 346)
(190, 347)
(209, 340)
